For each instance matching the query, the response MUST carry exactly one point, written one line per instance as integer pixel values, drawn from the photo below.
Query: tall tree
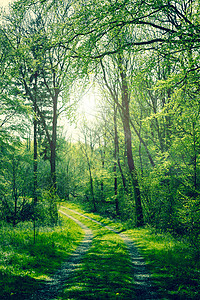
(44, 65)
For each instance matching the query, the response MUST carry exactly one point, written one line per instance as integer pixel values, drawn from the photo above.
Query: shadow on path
(144, 290)
(52, 288)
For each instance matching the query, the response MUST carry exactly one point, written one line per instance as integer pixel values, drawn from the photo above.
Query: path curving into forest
(51, 289)
(142, 282)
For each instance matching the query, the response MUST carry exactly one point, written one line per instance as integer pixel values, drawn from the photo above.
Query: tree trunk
(90, 175)
(91, 184)
(92, 192)
(53, 144)
(15, 196)
(128, 148)
(35, 157)
(102, 152)
(116, 155)
(195, 155)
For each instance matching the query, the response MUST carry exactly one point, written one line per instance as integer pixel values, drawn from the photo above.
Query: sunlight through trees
(125, 76)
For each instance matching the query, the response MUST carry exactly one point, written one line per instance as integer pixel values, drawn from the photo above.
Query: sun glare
(4, 2)
(88, 106)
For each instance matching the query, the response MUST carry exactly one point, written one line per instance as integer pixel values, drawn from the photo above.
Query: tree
(164, 25)
(15, 191)
(44, 66)
(121, 68)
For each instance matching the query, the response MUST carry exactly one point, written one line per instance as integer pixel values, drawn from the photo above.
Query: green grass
(115, 224)
(23, 264)
(172, 262)
(105, 272)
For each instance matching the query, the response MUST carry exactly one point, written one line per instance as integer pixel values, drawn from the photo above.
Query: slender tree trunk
(195, 155)
(14, 192)
(53, 204)
(29, 141)
(118, 159)
(66, 192)
(35, 157)
(140, 152)
(128, 147)
(103, 166)
(35, 165)
(53, 144)
(91, 184)
(91, 179)
(116, 154)
(102, 152)
(92, 190)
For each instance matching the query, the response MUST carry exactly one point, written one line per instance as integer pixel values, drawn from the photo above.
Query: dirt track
(52, 288)
(142, 281)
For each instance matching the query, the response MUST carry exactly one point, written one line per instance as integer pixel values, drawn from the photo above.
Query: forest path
(52, 288)
(142, 282)
(141, 288)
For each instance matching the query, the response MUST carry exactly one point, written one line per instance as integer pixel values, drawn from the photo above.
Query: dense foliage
(140, 158)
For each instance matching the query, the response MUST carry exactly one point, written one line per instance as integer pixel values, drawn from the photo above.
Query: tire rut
(51, 289)
(142, 281)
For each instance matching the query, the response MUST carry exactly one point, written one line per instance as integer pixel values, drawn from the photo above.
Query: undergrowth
(23, 264)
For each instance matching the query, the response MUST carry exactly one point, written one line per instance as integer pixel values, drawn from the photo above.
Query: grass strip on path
(105, 271)
(52, 288)
(172, 262)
